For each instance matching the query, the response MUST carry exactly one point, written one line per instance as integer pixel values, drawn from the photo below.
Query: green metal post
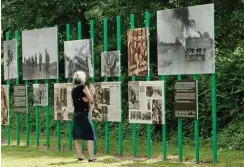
(37, 122)
(27, 113)
(79, 38)
(69, 81)
(93, 78)
(105, 48)
(196, 129)
(149, 126)
(214, 118)
(9, 108)
(164, 137)
(133, 78)
(57, 81)
(180, 150)
(120, 80)
(16, 35)
(47, 117)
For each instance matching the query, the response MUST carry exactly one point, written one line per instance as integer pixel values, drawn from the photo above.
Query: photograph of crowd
(110, 65)
(78, 56)
(40, 95)
(40, 53)
(137, 52)
(186, 40)
(4, 105)
(10, 63)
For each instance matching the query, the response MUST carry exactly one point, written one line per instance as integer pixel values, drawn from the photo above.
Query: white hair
(79, 78)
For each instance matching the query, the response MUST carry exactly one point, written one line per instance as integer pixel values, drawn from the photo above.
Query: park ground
(40, 156)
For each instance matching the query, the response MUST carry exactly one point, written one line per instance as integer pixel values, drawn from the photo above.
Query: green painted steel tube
(57, 81)
(69, 81)
(27, 139)
(133, 78)
(196, 122)
(149, 126)
(37, 123)
(105, 48)
(9, 108)
(16, 36)
(214, 118)
(47, 117)
(92, 36)
(120, 80)
(180, 141)
(164, 137)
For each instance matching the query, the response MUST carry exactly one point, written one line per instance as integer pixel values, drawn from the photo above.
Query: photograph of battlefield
(39, 50)
(78, 56)
(186, 40)
(10, 63)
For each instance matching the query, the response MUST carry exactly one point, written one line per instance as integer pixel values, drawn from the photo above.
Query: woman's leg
(90, 149)
(78, 148)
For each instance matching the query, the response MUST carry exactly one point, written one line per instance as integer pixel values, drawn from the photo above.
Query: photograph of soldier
(60, 100)
(133, 95)
(110, 65)
(78, 56)
(40, 95)
(137, 52)
(157, 115)
(148, 104)
(39, 50)
(186, 40)
(10, 63)
(4, 105)
(153, 91)
(146, 116)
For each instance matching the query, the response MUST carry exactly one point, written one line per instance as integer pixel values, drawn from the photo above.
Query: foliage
(229, 43)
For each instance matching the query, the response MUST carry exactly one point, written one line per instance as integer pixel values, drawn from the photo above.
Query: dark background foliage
(229, 51)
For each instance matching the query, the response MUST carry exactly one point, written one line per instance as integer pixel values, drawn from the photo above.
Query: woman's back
(77, 97)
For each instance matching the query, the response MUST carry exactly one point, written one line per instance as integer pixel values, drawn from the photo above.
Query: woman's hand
(85, 99)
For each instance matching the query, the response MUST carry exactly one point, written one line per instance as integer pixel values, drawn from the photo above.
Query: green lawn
(33, 156)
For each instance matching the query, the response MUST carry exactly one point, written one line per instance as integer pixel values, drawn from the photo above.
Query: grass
(33, 156)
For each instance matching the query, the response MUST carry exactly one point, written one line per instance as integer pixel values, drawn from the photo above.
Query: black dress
(82, 125)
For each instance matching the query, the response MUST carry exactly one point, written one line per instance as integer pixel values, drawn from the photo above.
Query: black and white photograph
(138, 115)
(110, 64)
(39, 53)
(132, 115)
(148, 104)
(60, 101)
(186, 40)
(146, 116)
(78, 56)
(154, 91)
(10, 63)
(133, 95)
(40, 95)
(157, 115)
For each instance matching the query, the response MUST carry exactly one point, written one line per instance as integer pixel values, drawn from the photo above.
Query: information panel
(20, 99)
(186, 101)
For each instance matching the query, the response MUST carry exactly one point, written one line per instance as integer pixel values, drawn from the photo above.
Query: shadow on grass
(63, 163)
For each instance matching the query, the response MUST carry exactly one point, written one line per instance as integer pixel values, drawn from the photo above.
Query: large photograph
(10, 63)
(78, 56)
(60, 101)
(39, 50)
(110, 63)
(4, 105)
(186, 40)
(137, 52)
(149, 106)
(40, 95)
(106, 97)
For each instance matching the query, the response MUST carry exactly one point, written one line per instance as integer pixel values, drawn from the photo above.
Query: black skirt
(82, 126)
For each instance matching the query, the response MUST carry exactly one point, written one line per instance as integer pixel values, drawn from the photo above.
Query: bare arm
(88, 94)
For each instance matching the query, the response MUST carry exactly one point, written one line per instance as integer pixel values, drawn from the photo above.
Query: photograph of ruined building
(186, 40)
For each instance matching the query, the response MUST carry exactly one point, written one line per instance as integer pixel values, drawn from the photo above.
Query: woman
(82, 126)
